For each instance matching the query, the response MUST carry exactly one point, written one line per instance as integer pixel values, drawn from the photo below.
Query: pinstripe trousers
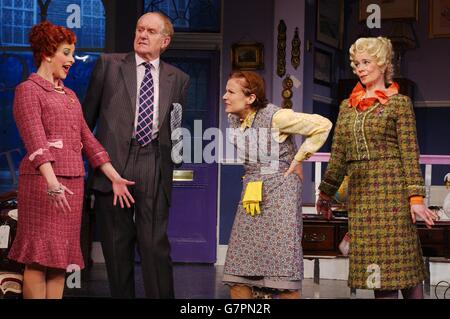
(144, 224)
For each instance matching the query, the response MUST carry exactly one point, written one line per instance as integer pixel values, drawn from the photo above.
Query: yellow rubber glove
(252, 198)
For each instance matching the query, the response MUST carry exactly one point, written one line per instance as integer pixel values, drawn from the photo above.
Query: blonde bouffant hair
(379, 48)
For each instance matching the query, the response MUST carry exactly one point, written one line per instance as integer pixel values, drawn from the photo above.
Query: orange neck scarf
(358, 100)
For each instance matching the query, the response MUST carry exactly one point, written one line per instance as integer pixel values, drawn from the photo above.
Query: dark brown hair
(45, 38)
(252, 83)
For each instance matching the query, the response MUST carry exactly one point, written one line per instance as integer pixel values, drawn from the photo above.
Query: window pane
(13, 66)
(6, 35)
(91, 20)
(28, 4)
(17, 18)
(7, 17)
(28, 20)
(85, 17)
(189, 16)
(20, 18)
(17, 35)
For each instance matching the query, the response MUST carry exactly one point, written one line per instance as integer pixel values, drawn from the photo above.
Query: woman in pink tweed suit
(50, 197)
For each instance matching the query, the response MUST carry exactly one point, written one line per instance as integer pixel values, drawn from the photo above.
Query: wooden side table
(321, 239)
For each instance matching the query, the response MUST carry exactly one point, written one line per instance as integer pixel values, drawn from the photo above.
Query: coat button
(74, 127)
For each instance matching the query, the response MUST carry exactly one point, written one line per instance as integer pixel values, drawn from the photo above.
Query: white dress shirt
(140, 72)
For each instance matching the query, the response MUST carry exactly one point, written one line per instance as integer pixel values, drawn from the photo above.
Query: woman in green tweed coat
(375, 144)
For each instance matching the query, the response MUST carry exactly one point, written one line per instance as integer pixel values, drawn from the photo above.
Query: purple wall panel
(428, 65)
(247, 21)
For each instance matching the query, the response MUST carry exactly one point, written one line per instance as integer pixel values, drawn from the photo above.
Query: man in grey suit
(130, 100)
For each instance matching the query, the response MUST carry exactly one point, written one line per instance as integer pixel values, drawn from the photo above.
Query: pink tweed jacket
(53, 129)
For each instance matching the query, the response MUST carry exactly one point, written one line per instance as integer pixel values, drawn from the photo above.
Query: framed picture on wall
(439, 22)
(330, 22)
(247, 56)
(322, 67)
(392, 9)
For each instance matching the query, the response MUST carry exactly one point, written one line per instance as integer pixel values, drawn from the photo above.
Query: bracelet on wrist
(56, 191)
(324, 202)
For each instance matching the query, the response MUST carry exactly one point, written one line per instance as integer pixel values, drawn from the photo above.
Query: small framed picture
(322, 67)
(247, 56)
(330, 22)
(392, 9)
(439, 22)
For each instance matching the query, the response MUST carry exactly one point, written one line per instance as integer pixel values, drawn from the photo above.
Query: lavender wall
(428, 65)
(247, 21)
(243, 21)
(292, 12)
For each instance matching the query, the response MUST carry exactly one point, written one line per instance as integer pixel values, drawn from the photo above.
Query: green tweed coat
(378, 150)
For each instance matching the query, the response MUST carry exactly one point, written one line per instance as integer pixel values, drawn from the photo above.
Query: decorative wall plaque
(286, 93)
(281, 46)
(295, 54)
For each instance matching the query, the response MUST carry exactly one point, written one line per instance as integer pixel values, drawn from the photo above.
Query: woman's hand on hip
(296, 168)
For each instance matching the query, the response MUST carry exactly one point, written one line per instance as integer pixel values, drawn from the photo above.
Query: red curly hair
(252, 83)
(45, 38)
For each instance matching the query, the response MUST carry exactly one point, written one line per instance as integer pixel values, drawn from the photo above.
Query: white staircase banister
(428, 160)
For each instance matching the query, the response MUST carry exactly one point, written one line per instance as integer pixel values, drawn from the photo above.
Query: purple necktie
(145, 116)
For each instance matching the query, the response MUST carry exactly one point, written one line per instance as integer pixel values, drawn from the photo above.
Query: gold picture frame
(439, 21)
(391, 10)
(330, 22)
(247, 56)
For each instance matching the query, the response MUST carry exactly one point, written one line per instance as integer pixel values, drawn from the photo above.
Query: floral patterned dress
(265, 250)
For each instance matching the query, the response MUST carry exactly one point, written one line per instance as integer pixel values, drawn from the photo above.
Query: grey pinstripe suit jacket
(110, 106)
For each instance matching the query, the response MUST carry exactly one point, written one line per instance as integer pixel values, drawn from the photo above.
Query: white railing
(428, 160)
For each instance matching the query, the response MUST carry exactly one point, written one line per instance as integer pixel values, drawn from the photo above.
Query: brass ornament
(295, 54)
(281, 49)
(286, 93)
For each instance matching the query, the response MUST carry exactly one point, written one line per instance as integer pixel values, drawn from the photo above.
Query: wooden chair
(11, 272)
